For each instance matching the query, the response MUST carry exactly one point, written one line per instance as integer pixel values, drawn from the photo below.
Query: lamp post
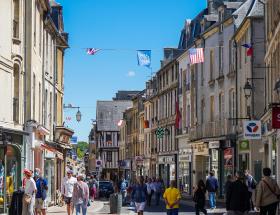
(78, 114)
(248, 93)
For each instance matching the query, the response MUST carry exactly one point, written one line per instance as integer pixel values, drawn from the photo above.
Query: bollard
(115, 202)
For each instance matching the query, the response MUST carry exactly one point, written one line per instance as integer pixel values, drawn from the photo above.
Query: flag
(146, 124)
(249, 48)
(178, 115)
(92, 51)
(144, 58)
(196, 55)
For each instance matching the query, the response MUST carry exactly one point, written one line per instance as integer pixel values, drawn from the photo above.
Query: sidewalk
(95, 207)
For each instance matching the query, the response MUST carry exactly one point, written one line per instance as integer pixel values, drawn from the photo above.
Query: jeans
(212, 199)
(78, 209)
(173, 211)
(269, 209)
(199, 208)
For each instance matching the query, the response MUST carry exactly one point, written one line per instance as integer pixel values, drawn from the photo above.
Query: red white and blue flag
(92, 51)
(249, 48)
(196, 55)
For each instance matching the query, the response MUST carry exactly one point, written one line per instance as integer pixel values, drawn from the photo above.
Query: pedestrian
(158, 190)
(139, 195)
(29, 194)
(212, 188)
(228, 183)
(41, 195)
(150, 190)
(199, 198)
(92, 188)
(237, 197)
(251, 184)
(123, 188)
(172, 197)
(81, 195)
(67, 191)
(268, 194)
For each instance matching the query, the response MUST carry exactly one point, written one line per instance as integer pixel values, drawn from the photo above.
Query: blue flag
(144, 57)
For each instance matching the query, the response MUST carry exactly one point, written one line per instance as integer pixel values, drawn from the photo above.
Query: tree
(82, 148)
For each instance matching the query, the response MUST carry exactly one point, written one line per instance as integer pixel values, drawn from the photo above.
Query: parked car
(105, 189)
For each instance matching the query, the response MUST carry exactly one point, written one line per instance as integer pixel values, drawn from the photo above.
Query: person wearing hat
(67, 190)
(81, 195)
(238, 196)
(29, 194)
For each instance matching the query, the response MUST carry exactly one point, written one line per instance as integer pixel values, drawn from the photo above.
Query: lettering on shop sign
(252, 130)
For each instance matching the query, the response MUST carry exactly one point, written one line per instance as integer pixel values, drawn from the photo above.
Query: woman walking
(29, 194)
(80, 195)
(199, 198)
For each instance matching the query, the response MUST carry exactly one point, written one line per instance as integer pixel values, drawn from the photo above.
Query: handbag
(27, 199)
(277, 195)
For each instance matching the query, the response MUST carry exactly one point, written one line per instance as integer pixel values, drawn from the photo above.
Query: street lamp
(78, 114)
(248, 90)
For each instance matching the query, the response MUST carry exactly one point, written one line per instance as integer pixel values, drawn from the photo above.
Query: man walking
(212, 187)
(251, 184)
(237, 196)
(172, 197)
(268, 194)
(67, 191)
(41, 195)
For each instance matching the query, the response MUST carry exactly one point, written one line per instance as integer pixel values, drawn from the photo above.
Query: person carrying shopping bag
(81, 195)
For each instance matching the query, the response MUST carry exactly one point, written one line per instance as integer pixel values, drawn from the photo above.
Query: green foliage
(82, 147)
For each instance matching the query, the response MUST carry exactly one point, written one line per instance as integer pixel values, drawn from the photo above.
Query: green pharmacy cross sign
(160, 132)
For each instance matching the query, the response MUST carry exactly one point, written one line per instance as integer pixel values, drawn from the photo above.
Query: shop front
(11, 165)
(167, 168)
(124, 166)
(185, 159)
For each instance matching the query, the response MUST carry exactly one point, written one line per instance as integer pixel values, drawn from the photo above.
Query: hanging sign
(244, 145)
(252, 130)
(276, 117)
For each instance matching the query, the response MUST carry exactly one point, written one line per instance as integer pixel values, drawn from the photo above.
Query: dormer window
(202, 25)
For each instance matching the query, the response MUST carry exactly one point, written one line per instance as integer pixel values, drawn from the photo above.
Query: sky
(122, 25)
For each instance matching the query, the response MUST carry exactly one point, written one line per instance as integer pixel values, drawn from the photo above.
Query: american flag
(196, 55)
(92, 51)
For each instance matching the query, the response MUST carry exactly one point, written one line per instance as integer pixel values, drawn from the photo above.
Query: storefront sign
(166, 159)
(244, 145)
(125, 164)
(139, 159)
(185, 158)
(252, 130)
(49, 154)
(276, 117)
(214, 144)
(228, 157)
(201, 149)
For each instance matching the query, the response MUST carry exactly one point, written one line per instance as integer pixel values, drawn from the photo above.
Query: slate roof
(109, 113)
(250, 8)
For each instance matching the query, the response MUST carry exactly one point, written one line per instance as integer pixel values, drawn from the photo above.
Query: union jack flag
(196, 55)
(92, 51)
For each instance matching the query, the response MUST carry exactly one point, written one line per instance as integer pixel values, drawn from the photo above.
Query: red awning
(59, 155)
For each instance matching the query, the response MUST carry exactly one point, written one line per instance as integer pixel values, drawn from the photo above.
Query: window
(221, 106)
(212, 108)
(16, 94)
(34, 24)
(221, 19)
(202, 75)
(109, 156)
(16, 19)
(212, 65)
(202, 111)
(40, 103)
(232, 108)
(34, 95)
(221, 59)
(46, 108)
(50, 114)
(40, 36)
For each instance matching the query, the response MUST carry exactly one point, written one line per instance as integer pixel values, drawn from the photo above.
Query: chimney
(210, 6)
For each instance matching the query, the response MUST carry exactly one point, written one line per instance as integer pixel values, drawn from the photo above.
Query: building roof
(250, 8)
(109, 113)
(126, 94)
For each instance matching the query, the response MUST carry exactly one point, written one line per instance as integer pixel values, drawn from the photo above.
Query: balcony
(213, 129)
(15, 110)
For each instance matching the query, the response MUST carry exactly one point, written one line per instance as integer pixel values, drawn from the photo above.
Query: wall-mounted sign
(214, 144)
(252, 130)
(276, 117)
(74, 140)
(228, 157)
(98, 163)
(201, 149)
(139, 158)
(166, 159)
(244, 145)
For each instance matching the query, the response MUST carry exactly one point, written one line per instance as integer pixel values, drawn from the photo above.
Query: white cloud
(131, 74)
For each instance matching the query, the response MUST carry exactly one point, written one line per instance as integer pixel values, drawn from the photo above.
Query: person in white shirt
(67, 190)
(29, 193)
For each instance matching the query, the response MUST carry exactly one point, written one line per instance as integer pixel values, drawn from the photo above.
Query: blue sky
(125, 25)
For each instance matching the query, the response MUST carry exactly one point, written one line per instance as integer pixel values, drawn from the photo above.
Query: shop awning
(14, 131)
(59, 155)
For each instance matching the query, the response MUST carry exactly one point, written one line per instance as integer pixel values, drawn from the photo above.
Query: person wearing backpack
(81, 195)
(251, 184)
(139, 195)
(268, 194)
(41, 195)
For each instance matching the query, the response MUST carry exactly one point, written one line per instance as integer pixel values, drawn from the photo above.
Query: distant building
(125, 95)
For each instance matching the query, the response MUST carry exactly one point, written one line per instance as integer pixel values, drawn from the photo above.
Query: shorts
(140, 206)
(68, 200)
(40, 204)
